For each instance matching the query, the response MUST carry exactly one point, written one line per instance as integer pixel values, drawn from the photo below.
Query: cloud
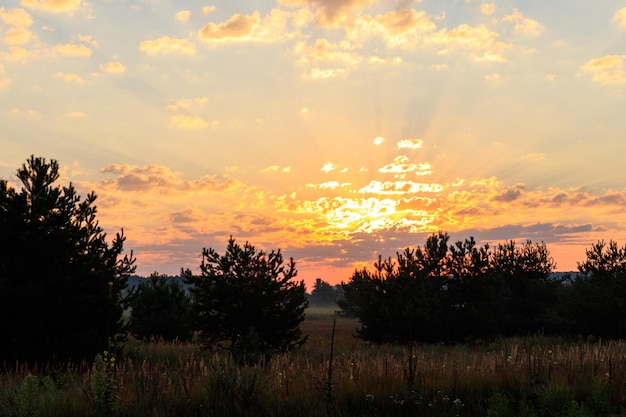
(378, 140)
(328, 167)
(73, 78)
(4, 81)
(183, 15)
(523, 24)
(276, 168)
(249, 28)
(494, 76)
(327, 73)
(510, 194)
(401, 165)
(410, 144)
(329, 12)
(72, 50)
(18, 18)
(16, 36)
(18, 54)
(399, 187)
(620, 16)
(325, 51)
(399, 28)
(54, 6)
(534, 156)
(114, 67)
(187, 122)
(187, 104)
(208, 9)
(478, 37)
(487, 8)
(608, 69)
(76, 114)
(166, 46)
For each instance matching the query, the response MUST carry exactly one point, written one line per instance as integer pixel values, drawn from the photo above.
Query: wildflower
(458, 402)
(369, 397)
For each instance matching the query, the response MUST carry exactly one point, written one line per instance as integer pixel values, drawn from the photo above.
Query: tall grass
(534, 376)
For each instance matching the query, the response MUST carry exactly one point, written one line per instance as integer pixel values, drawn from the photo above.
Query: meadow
(524, 376)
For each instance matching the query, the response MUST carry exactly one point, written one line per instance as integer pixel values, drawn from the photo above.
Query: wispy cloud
(168, 46)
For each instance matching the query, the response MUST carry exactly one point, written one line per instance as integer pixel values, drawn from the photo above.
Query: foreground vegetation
(524, 376)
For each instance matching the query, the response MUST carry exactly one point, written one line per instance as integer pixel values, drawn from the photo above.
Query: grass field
(533, 376)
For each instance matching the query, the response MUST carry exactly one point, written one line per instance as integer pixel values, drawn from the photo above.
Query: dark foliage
(324, 294)
(60, 281)
(442, 293)
(596, 300)
(161, 309)
(246, 298)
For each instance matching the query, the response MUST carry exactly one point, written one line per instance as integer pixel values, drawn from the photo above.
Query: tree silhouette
(442, 293)
(246, 298)
(596, 301)
(161, 309)
(61, 283)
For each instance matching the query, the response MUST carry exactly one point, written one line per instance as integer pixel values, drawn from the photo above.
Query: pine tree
(247, 300)
(61, 283)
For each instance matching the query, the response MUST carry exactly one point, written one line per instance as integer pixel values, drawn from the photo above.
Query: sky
(334, 130)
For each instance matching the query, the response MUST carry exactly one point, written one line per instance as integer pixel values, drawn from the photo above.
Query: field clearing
(533, 376)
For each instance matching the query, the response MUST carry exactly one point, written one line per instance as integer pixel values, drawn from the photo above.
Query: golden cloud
(403, 27)
(16, 36)
(166, 46)
(183, 15)
(187, 122)
(329, 12)
(4, 82)
(114, 67)
(401, 165)
(471, 37)
(328, 167)
(325, 51)
(326, 73)
(487, 8)
(75, 114)
(54, 6)
(399, 187)
(620, 16)
(410, 144)
(249, 28)
(18, 18)
(18, 54)
(608, 69)
(523, 24)
(276, 168)
(72, 50)
(187, 103)
(74, 78)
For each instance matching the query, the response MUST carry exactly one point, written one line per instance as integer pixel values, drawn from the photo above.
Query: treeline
(64, 289)
(461, 292)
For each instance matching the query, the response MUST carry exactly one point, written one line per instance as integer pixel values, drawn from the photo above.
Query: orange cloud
(166, 46)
